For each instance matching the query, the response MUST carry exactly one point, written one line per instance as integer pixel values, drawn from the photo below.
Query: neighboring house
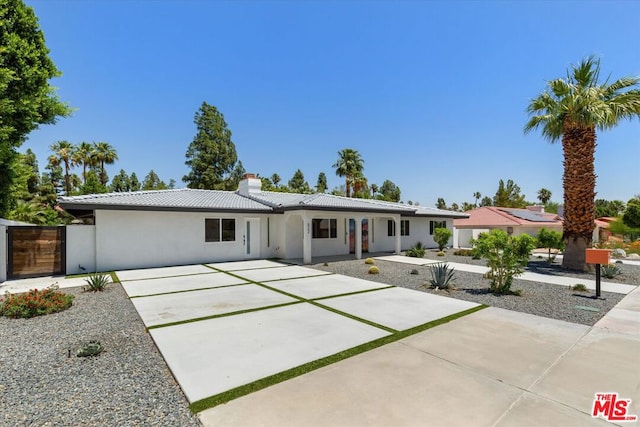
(602, 232)
(185, 226)
(514, 221)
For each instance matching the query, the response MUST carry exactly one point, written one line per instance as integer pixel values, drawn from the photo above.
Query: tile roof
(263, 201)
(489, 216)
(180, 199)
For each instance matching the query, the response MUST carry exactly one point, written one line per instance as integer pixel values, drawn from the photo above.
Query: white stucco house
(187, 226)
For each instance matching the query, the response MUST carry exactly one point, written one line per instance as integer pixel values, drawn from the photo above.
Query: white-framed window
(404, 227)
(219, 230)
(436, 224)
(324, 228)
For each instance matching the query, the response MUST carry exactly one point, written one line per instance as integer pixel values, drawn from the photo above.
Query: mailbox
(598, 256)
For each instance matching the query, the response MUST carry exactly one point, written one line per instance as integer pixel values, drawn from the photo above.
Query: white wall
(81, 249)
(3, 253)
(136, 239)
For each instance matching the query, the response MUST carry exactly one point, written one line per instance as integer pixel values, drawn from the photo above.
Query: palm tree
(477, 196)
(544, 195)
(374, 190)
(83, 155)
(571, 110)
(349, 166)
(275, 178)
(104, 153)
(63, 154)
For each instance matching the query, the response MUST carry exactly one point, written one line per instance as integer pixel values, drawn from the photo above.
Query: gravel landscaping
(541, 299)
(128, 384)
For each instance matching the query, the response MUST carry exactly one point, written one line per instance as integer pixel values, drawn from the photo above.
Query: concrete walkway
(619, 288)
(490, 368)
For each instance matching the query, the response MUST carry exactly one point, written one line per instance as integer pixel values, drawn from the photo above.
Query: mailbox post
(597, 257)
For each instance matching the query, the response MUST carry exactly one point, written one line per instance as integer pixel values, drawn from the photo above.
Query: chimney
(249, 184)
(536, 208)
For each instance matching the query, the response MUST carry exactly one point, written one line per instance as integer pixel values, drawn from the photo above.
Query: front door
(252, 238)
(352, 236)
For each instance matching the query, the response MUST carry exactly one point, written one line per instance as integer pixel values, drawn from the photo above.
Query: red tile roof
(490, 216)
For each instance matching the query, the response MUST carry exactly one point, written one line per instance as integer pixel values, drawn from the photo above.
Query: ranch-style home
(187, 226)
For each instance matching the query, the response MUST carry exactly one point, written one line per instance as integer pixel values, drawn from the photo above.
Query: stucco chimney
(249, 184)
(536, 208)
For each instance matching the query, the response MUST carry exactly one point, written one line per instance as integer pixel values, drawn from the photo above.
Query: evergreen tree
(321, 185)
(441, 204)
(27, 99)
(297, 184)
(508, 195)
(153, 182)
(389, 192)
(236, 175)
(134, 184)
(211, 155)
(486, 201)
(120, 183)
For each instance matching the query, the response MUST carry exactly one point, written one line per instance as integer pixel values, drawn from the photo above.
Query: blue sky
(432, 94)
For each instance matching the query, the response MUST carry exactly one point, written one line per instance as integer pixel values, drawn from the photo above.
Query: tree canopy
(349, 165)
(211, 155)
(27, 100)
(508, 195)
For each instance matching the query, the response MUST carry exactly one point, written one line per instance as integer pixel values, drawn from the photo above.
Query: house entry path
(225, 326)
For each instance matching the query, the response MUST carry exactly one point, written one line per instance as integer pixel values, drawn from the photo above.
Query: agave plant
(97, 282)
(610, 271)
(441, 275)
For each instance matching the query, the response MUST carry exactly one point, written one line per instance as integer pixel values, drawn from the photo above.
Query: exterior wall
(138, 239)
(81, 249)
(419, 229)
(465, 234)
(3, 253)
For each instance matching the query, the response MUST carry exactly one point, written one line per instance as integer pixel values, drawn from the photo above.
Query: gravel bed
(128, 384)
(630, 274)
(541, 299)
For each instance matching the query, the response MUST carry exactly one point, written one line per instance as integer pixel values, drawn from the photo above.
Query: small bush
(369, 261)
(464, 252)
(96, 282)
(417, 251)
(441, 276)
(610, 271)
(440, 253)
(374, 270)
(35, 303)
(414, 271)
(579, 287)
(91, 348)
(441, 236)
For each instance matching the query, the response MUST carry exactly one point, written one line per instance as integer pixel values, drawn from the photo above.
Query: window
(436, 224)
(219, 230)
(325, 228)
(404, 227)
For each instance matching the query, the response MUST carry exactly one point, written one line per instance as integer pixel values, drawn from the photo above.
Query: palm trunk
(579, 181)
(67, 181)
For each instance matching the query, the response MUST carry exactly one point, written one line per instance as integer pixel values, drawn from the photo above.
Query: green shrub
(551, 240)
(414, 271)
(374, 270)
(96, 282)
(440, 253)
(579, 287)
(463, 252)
(441, 236)
(417, 251)
(35, 303)
(506, 256)
(441, 275)
(91, 348)
(369, 261)
(610, 271)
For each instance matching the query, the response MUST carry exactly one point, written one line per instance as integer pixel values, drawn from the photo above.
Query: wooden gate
(35, 251)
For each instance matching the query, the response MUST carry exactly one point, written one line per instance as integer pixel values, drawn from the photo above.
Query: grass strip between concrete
(227, 396)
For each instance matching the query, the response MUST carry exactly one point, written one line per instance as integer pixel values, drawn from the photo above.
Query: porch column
(358, 221)
(396, 220)
(306, 239)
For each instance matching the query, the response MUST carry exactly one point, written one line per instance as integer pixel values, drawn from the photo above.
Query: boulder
(633, 256)
(618, 253)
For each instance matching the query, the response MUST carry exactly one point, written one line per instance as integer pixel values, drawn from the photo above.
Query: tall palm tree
(571, 110)
(349, 165)
(275, 178)
(63, 154)
(477, 195)
(544, 195)
(104, 154)
(83, 155)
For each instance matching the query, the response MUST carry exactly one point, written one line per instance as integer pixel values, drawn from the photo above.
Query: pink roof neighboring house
(491, 216)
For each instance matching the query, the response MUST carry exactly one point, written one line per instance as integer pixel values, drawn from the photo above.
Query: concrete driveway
(237, 323)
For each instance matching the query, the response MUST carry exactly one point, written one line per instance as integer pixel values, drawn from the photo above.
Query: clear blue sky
(432, 94)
